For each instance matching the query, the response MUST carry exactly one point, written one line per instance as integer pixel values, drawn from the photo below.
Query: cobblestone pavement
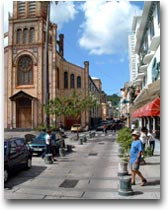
(89, 172)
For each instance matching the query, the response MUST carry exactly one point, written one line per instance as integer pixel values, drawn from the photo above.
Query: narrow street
(89, 172)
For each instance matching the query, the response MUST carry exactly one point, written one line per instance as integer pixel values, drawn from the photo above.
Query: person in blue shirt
(53, 144)
(135, 158)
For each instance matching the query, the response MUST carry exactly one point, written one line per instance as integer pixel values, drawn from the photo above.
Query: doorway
(23, 113)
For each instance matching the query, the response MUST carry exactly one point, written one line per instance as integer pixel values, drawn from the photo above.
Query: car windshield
(41, 136)
(76, 125)
(40, 139)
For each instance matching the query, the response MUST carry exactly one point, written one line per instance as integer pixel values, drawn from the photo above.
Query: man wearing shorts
(135, 158)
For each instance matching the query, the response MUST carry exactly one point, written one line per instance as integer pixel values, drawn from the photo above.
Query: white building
(147, 50)
(132, 57)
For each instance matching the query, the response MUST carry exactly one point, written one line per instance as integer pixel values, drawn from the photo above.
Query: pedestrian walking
(143, 137)
(105, 128)
(151, 140)
(48, 142)
(132, 127)
(113, 128)
(135, 158)
(53, 144)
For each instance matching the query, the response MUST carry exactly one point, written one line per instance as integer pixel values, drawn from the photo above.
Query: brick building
(25, 70)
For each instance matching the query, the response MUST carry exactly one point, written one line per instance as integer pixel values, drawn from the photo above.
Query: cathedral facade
(25, 70)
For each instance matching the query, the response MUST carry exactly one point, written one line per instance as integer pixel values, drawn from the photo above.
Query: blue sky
(95, 31)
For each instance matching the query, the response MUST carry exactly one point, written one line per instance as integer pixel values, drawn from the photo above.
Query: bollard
(85, 139)
(120, 150)
(81, 140)
(69, 148)
(48, 159)
(90, 135)
(122, 168)
(125, 186)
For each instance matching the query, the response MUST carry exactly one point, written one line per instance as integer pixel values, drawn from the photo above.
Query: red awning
(150, 109)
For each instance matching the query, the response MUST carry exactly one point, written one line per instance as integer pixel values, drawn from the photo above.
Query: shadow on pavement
(18, 177)
(152, 163)
(138, 193)
(155, 182)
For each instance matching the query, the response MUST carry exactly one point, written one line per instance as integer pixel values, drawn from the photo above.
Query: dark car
(17, 154)
(101, 125)
(38, 144)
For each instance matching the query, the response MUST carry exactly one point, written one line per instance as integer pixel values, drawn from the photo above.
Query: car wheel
(6, 175)
(29, 163)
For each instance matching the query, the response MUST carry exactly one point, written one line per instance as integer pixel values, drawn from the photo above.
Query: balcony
(140, 75)
(155, 43)
(143, 68)
(148, 57)
(137, 82)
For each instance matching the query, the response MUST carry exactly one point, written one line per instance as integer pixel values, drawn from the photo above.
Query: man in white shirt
(151, 140)
(143, 137)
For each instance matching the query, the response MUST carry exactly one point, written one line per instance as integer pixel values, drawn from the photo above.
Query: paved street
(89, 172)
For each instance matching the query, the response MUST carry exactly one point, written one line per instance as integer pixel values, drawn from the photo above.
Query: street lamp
(46, 70)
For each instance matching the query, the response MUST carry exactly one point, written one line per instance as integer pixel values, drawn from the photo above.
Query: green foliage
(43, 126)
(132, 94)
(147, 152)
(137, 124)
(115, 99)
(72, 105)
(124, 139)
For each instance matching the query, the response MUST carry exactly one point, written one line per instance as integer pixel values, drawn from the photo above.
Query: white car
(76, 127)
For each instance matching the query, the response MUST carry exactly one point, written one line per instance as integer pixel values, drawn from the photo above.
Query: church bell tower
(26, 62)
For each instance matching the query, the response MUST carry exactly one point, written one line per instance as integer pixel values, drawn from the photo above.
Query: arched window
(25, 36)
(72, 81)
(78, 82)
(18, 36)
(25, 71)
(66, 79)
(31, 35)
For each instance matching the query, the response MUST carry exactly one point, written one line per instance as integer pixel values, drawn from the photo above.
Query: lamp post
(46, 70)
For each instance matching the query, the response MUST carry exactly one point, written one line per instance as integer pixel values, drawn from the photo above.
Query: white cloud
(63, 12)
(106, 26)
(7, 7)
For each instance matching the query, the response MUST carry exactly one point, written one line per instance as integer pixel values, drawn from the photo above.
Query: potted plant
(124, 140)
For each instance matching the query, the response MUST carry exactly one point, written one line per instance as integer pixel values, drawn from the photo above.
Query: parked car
(17, 154)
(101, 125)
(38, 145)
(76, 127)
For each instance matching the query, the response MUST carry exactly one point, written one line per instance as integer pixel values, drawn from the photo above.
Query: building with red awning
(150, 109)
(144, 107)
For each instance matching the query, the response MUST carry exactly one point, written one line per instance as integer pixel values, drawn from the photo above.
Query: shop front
(149, 115)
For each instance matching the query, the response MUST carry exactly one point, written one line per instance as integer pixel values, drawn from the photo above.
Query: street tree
(72, 105)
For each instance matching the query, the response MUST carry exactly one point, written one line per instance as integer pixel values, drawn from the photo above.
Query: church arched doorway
(23, 113)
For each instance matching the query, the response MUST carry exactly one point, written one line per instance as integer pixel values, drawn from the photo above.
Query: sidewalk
(96, 175)
(151, 171)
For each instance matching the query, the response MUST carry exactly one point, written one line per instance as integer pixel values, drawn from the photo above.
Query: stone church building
(25, 71)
